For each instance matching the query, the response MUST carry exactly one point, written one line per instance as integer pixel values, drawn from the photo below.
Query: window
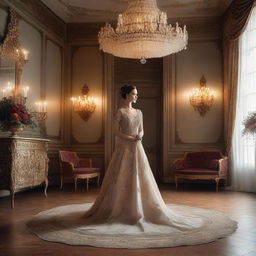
(243, 148)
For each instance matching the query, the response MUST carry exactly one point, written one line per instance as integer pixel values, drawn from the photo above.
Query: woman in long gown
(129, 211)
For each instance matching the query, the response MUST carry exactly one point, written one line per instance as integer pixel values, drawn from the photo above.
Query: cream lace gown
(129, 211)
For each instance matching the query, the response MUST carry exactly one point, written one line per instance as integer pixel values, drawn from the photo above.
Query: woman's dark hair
(126, 89)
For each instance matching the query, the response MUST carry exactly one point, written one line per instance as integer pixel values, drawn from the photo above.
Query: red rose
(16, 117)
(25, 116)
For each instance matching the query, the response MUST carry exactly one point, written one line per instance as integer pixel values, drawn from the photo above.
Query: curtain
(243, 150)
(230, 65)
(235, 20)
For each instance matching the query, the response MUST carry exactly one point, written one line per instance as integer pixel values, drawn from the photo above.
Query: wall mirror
(12, 56)
(7, 72)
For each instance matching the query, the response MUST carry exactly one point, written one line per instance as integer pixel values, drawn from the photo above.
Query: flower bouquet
(250, 124)
(14, 116)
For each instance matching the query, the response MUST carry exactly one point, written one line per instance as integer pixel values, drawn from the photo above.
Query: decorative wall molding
(201, 27)
(60, 136)
(108, 10)
(73, 141)
(85, 31)
(173, 146)
(99, 141)
(176, 142)
(109, 93)
(41, 23)
(198, 28)
(41, 13)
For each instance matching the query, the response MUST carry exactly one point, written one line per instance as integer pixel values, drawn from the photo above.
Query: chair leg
(87, 184)
(98, 181)
(225, 183)
(176, 181)
(75, 183)
(217, 184)
(61, 182)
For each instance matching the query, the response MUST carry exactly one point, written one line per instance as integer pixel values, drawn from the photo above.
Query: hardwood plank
(16, 240)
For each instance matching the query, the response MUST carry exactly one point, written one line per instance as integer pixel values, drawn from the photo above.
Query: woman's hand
(138, 137)
(133, 139)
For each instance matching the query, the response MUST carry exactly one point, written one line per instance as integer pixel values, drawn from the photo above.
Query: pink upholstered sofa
(204, 165)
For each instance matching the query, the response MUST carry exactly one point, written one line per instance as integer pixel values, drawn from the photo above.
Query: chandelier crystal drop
(142, 32)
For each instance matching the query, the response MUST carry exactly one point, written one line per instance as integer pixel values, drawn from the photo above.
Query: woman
(129, 193)
(129, 211)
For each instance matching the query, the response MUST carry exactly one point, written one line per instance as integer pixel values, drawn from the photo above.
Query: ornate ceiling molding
(75, 11)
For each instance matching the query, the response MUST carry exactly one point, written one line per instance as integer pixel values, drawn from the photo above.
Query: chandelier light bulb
(25, 91)
(143, 60)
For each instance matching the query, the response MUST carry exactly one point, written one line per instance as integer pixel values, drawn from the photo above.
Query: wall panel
(53, 88)
(87, 68)
(31, 40)
(200, 58)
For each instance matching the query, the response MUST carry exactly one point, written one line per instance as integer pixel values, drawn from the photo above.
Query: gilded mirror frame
(10, 46)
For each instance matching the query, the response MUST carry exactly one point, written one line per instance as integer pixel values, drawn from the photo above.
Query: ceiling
(107, 10)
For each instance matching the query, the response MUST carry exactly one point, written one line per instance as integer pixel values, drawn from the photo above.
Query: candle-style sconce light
(201, 98)
(9, 92)
(84, 105)
(40, 113)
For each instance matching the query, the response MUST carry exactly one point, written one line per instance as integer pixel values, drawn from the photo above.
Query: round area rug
(66, 224)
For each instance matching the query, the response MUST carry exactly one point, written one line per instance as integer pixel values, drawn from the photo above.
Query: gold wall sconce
(40, 113)
(201, 98)
(84, 105)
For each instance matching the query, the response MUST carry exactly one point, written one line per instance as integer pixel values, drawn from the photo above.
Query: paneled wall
(148, 80)
(86, 69)
(185, 129)
(53, 88)
(201, 58)
(32, 39)
(44, 36)
(61, 63)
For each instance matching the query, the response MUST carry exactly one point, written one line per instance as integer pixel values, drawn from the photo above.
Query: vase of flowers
(14, 116)
(250, 124)
(14, 129)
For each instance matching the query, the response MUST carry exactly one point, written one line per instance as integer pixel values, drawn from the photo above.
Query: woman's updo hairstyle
(126, 89)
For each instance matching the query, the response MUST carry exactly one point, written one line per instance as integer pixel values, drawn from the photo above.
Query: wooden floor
(16, 240)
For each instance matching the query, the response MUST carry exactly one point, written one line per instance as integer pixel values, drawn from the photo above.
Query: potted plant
(250, 124)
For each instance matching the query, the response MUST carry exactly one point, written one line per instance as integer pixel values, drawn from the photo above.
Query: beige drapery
(234, 23)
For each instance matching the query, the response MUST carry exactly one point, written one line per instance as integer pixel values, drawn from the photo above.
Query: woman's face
(132, 96)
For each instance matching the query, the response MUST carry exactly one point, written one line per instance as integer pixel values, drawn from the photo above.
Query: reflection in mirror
(3, 23)
(7, 76)
(10, 48)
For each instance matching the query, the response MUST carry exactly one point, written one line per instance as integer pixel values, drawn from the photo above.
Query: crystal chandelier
(201, 99)
(142, 32)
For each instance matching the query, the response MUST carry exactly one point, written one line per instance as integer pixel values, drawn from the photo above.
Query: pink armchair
(204, 165)
(78, 168)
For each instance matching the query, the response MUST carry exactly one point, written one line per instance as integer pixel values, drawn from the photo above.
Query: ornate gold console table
(23, 163)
